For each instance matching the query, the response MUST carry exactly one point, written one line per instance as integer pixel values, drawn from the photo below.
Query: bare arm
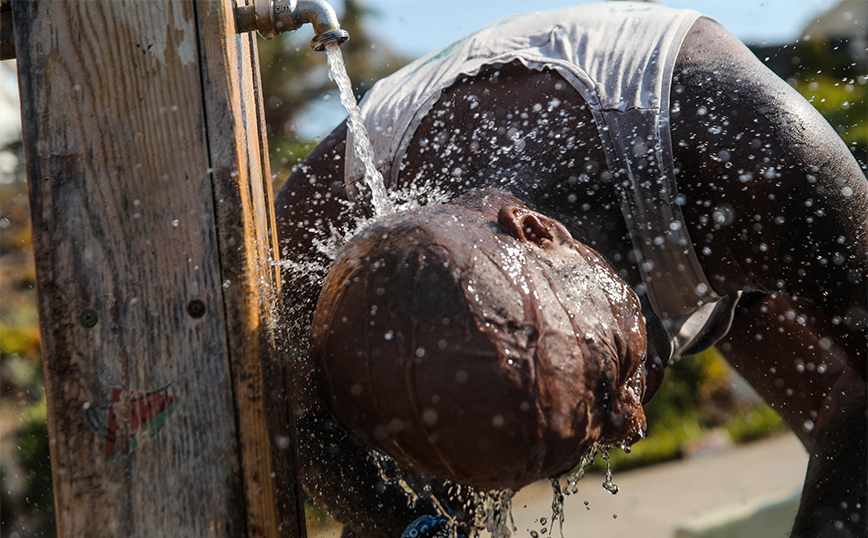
(770, 327)
(776, 203)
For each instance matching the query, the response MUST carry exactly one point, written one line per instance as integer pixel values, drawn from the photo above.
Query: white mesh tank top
(619, 56)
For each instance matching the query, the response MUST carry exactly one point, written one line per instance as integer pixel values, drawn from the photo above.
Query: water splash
(391, 473)
(373, 188)
(557, 506)
(608, 485)
(489, 510)
(570, 486)
(572, 478)
(493, 512)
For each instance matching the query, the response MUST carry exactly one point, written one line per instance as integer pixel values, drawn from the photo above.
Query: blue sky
(420, 26)
(417, 27)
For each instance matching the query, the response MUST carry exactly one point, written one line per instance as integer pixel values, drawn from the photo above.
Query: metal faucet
(271, 17)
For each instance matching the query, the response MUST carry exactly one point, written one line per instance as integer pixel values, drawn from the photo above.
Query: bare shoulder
(773, 198)
(313, 192)
(307, 208)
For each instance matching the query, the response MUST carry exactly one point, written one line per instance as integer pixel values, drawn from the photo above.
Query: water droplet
(429, 416)
(376, 195)
(175, 223)
(808, 426)
(608, 485)
(389, 335)
(723, 215)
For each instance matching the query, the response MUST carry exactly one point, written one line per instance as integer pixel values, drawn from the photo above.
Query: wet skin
(745, 145)
(510, 347)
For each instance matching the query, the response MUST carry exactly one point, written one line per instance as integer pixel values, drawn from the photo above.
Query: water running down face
(479, 343)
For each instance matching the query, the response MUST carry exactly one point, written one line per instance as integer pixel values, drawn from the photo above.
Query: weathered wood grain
(151, 206)
(242, 176)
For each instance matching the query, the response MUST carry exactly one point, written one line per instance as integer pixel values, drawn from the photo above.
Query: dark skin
(747, 149)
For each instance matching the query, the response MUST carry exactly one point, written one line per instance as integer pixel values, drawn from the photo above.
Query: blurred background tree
(296, 80)
(828, 65)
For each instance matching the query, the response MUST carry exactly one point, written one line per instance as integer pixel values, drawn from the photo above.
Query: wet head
(478, 342)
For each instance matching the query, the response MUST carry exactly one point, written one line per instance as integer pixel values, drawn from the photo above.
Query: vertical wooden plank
(242, 180)
(152, 240)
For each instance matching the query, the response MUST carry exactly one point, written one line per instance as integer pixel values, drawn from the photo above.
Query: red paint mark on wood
(135, 413)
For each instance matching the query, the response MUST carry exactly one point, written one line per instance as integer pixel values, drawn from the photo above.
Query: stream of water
(372, 194)
(491, 510)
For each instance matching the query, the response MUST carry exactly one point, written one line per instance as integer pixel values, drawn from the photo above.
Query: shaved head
(479, 342)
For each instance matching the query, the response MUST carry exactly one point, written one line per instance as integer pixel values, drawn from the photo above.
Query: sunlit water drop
(608, 485)
(379, 200)
(390, 473)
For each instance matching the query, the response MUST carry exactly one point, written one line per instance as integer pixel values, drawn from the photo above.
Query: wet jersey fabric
(620, 57)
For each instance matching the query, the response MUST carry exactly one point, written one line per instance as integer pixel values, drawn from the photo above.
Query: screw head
(88, 318)
(196, 308)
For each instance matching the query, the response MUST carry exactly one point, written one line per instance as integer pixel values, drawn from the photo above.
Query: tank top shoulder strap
(620, 57)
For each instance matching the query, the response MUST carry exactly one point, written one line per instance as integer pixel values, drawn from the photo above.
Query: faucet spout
(324, 20)
(272, 17)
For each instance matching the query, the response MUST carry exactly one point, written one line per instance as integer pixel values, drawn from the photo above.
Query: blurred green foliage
(831, 78)
(753, 424)
(26, 495)
(26, 501)
(844, 102)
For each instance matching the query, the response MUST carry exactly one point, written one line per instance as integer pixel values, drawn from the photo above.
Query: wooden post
(153, 236)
